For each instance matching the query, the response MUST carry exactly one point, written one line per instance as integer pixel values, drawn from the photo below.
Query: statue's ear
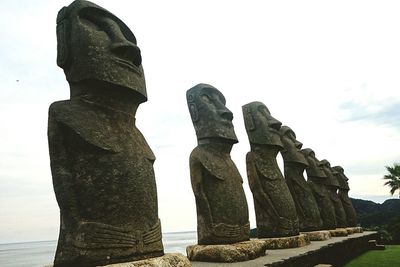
(248, 119)
(62, 35)
(194, 112)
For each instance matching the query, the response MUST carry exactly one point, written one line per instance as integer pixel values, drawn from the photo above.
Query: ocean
(39, 254)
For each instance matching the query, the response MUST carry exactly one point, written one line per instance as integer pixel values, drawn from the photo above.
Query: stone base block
(168, 260)
(357, 229)
(350, 230)
(242, 251)
(318, 235)
(296, 241)
(339, 232)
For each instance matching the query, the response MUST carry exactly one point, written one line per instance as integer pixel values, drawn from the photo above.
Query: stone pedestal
(242, 251)
(296, 241)
(318, 235)
(339, 232)
(168, 260)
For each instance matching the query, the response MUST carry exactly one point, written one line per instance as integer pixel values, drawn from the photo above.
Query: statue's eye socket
(90, 23)
(206, 98)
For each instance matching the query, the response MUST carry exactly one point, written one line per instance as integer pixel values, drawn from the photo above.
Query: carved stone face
(341, 177)
(330, 173)
(210, 117)
(261, 127)
(314, 168)
(291, 147)
(93, 44)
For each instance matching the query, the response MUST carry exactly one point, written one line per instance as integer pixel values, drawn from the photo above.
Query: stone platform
(242, 251)
(286, 242)
(335, 251)
(168, 260)
(317, 235)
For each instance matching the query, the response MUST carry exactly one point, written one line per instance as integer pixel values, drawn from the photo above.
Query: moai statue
(274, 206)
(222, 212)
(333, 186)
(294, 165)
(101, 164)
(344, 197)
(317, 180)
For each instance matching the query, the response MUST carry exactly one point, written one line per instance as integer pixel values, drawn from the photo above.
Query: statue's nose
(226, 114)
(299, 145)
(128, 51)
(274, 123)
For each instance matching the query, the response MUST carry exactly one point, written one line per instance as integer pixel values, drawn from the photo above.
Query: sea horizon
(41, 253)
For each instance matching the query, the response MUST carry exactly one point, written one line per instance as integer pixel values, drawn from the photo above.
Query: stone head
(261, 127)
(314, 168)
(341, 177)
(95, 45)
(210, 117)
(291, 146)
(330, 173)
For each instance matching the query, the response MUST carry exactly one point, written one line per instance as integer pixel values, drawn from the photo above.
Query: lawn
(383, 258)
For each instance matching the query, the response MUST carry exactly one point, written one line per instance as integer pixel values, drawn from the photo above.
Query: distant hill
(373, 214)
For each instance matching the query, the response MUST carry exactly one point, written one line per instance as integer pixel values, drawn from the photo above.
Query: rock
(339, 232)
(318, 235)
(242, 251)
(168, 260)
(300, 240)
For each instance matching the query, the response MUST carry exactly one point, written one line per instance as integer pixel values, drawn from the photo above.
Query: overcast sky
(328, 69)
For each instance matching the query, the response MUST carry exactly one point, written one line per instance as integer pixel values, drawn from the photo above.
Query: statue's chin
(111, 70)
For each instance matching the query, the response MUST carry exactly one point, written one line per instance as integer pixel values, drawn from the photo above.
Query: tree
(393, 178)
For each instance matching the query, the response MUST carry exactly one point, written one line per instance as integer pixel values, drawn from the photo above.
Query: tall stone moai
(343, 194)
(294, 165)
(317, 180)
(333, 186)
(274, 206)
(102, 166)
(222, 211)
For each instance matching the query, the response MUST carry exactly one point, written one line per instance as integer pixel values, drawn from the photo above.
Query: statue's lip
(129, 64)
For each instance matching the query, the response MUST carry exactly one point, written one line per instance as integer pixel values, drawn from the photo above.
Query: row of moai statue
(102, 166)
(284, 204)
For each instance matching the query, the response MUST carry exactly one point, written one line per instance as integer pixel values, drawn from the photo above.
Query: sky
(328, 69)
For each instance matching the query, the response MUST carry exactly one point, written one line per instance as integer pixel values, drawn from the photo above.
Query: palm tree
(393, 178)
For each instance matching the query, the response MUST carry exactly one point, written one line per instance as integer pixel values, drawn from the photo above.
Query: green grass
(389, 257)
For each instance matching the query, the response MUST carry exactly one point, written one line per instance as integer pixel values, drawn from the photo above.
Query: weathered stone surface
(351, 216)
(274, 206)
(339, 232)
(102, 166)
(168, 260)
(350, 230)
(317, 235)
(242, 251)
(357, 229)
(333, 186)
(317, 180)
(222, 211)
(300, 240)
(294, 165)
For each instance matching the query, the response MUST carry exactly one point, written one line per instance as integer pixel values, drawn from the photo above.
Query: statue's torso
(110, 182)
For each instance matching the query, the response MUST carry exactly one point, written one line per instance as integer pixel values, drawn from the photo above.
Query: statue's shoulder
(265, 167)
(85, 122)
(209, 161)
